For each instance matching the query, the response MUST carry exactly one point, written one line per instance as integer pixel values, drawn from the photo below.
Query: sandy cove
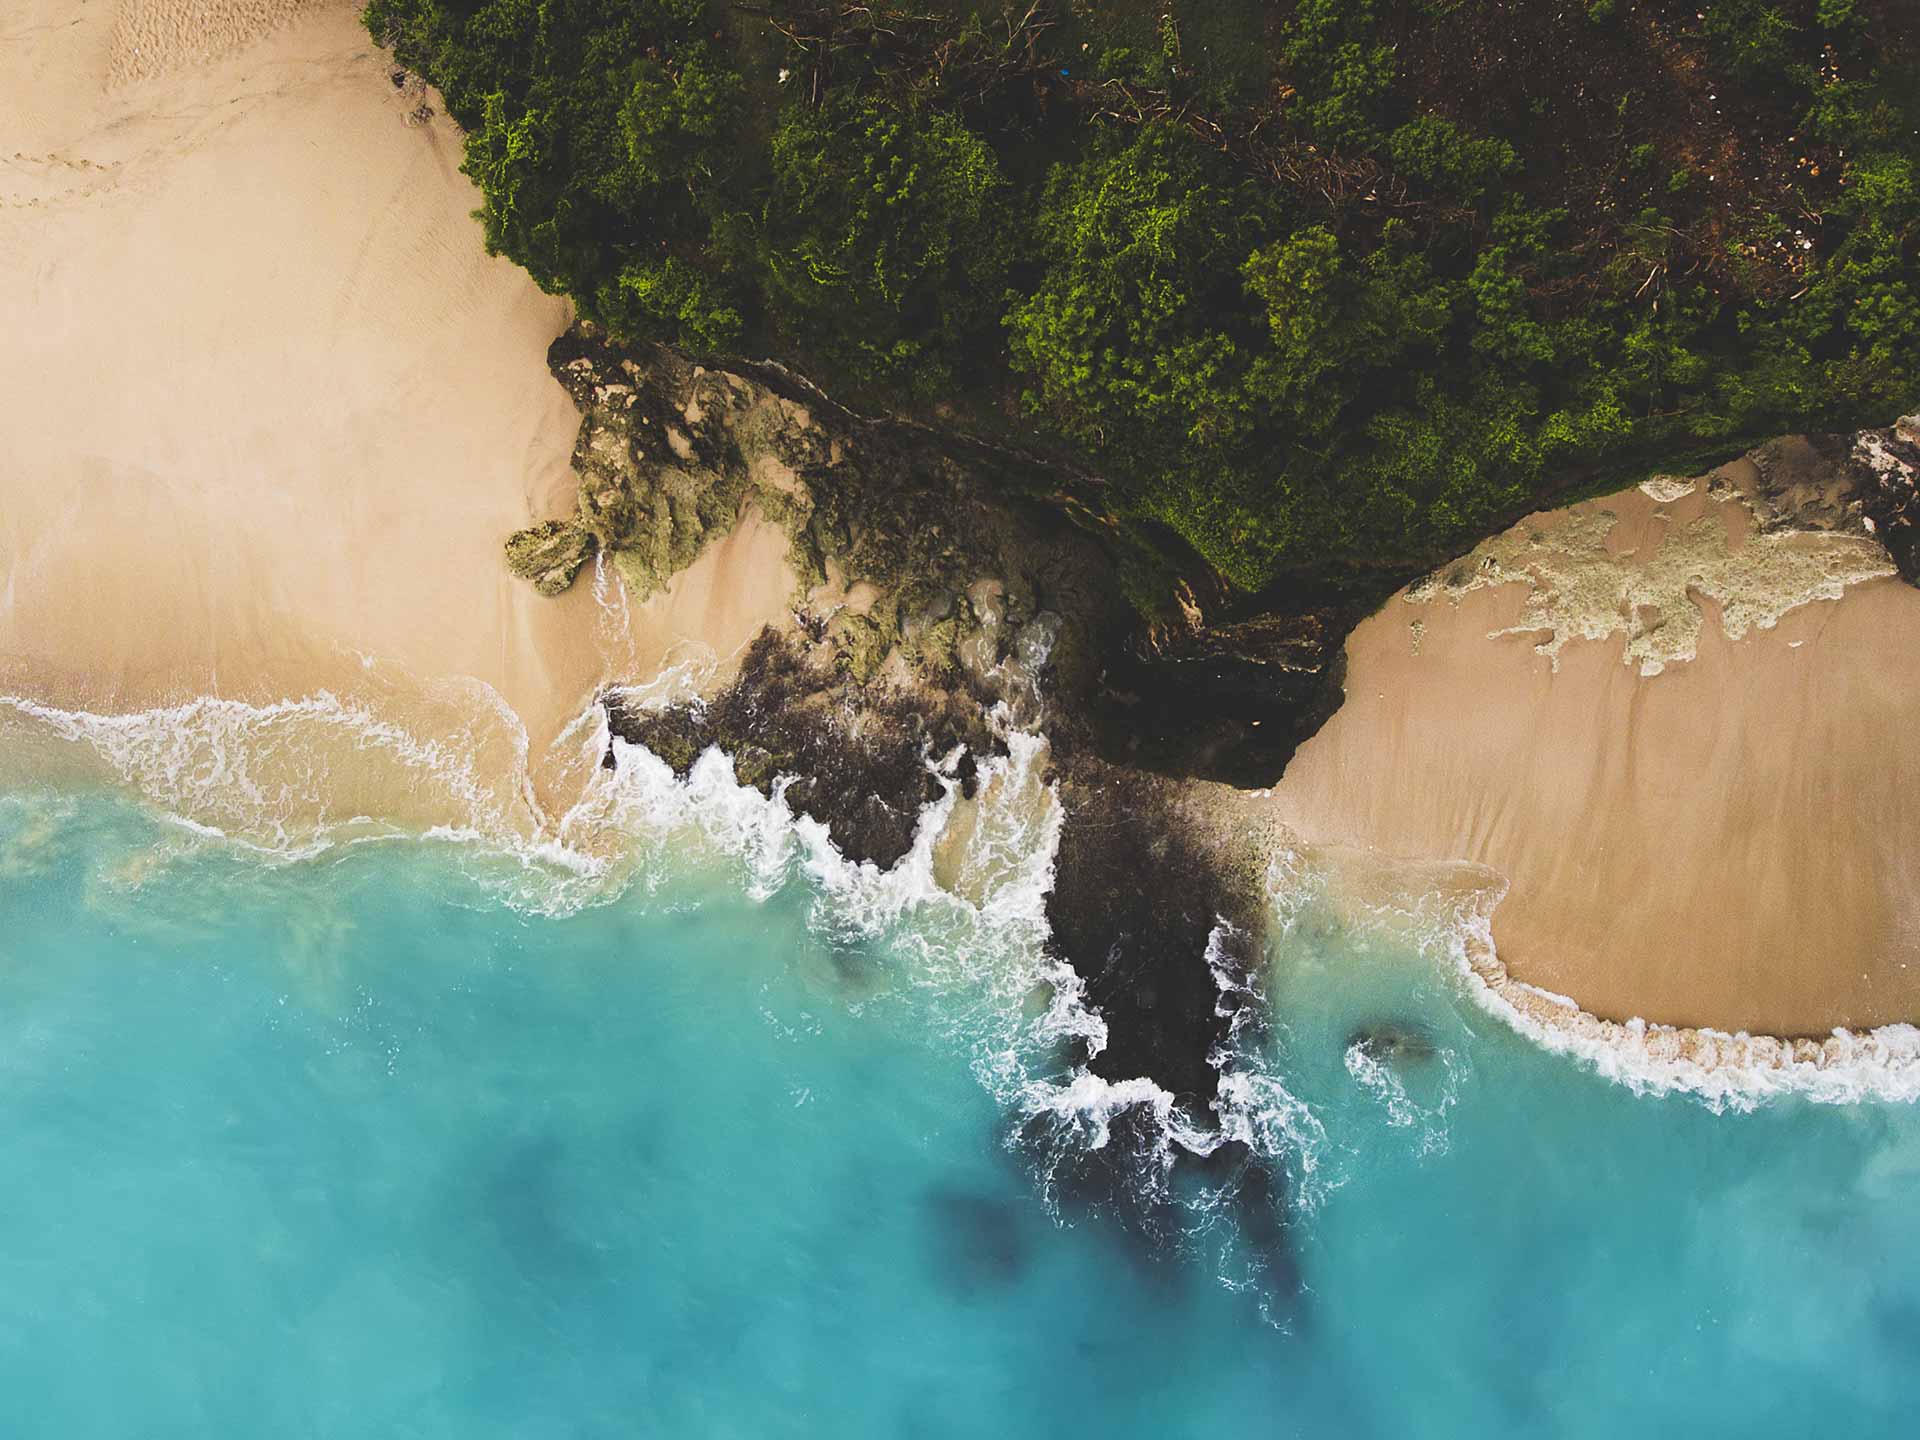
(1698, 776)
(270, 408)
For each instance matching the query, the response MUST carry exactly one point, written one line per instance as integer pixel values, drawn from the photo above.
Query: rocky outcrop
(669, 456)
(907, 554)
(944, 603)
(550, 554)
(1887, 464)
(1153, 906)
(940, 554)
(862, 759)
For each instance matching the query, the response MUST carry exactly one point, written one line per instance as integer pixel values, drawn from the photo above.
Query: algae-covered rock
(863, 643)
(636, 567)
(931, 648)
(937, 550)
(754, 765)
(549, 554)
(671, 455)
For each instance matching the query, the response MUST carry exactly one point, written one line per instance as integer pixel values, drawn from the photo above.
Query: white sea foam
(1578, 588)
(1723, 1071)
(274, 777)
(961, 917)
(1379, 1078)
(1453, 927)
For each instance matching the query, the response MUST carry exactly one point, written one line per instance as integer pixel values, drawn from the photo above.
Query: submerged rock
(1392, 1043)
(979, 1242)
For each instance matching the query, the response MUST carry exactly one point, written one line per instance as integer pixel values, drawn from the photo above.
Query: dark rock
(857, 757)
(980, 1242)
(1257, 1186)
(1138, 893)
(1887, 467)
(1231, 702)
(1391, 1042)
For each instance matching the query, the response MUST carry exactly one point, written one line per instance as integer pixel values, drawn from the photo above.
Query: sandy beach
(271, 409)
(1698, 776)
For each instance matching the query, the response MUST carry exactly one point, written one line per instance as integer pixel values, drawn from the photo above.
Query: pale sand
(270, 409)
(1732, 842)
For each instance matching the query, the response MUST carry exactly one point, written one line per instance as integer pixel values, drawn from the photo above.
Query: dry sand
(1728, 840)
(270, 408)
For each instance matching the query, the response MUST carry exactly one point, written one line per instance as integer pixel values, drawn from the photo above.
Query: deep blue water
(357, 1147)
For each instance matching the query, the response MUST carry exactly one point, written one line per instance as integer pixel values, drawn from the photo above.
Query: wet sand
(1731, 842)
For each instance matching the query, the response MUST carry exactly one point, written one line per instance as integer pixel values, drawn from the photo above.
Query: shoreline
(1724, 1070)
(290, 502)
(1443, 911)
(280, 410)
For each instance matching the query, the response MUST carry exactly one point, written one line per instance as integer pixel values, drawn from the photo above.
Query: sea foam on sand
(1690, 746)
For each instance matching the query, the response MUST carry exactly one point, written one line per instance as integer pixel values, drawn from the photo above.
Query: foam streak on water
(962, 914)
(668, 1119)
(1451, 926)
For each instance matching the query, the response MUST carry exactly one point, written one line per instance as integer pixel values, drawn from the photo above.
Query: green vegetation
(1312, 283)
(884, 237)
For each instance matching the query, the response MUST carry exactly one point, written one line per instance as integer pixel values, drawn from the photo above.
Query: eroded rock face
(1888, 466)
(669, 455)
(1231, 702)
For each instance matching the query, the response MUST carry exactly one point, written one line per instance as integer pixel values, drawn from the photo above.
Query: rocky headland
(948, 589)
(945, 597)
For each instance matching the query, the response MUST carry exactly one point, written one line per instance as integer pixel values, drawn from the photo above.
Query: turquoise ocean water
(418, 1137)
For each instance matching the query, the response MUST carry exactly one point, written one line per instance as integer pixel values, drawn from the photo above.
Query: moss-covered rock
(862, 643)
(670, 455)
(549, 554)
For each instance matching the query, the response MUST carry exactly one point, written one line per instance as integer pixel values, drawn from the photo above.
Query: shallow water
(373, 1144)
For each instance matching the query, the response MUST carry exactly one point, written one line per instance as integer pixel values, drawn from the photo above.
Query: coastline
(1444, 911)
(287, 504)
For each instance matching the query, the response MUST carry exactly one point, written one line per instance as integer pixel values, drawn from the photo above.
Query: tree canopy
(1312, 283)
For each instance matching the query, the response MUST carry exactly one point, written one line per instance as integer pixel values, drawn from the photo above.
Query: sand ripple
(156, 37)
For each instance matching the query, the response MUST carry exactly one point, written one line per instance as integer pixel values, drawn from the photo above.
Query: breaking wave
(959, 922)
(1449, 922)
(954, 935)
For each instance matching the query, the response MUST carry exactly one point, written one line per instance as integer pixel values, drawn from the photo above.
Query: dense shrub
(885, 237)
(1313, 283)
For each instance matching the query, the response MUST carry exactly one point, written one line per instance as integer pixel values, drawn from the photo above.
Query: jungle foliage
(1312, 282)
